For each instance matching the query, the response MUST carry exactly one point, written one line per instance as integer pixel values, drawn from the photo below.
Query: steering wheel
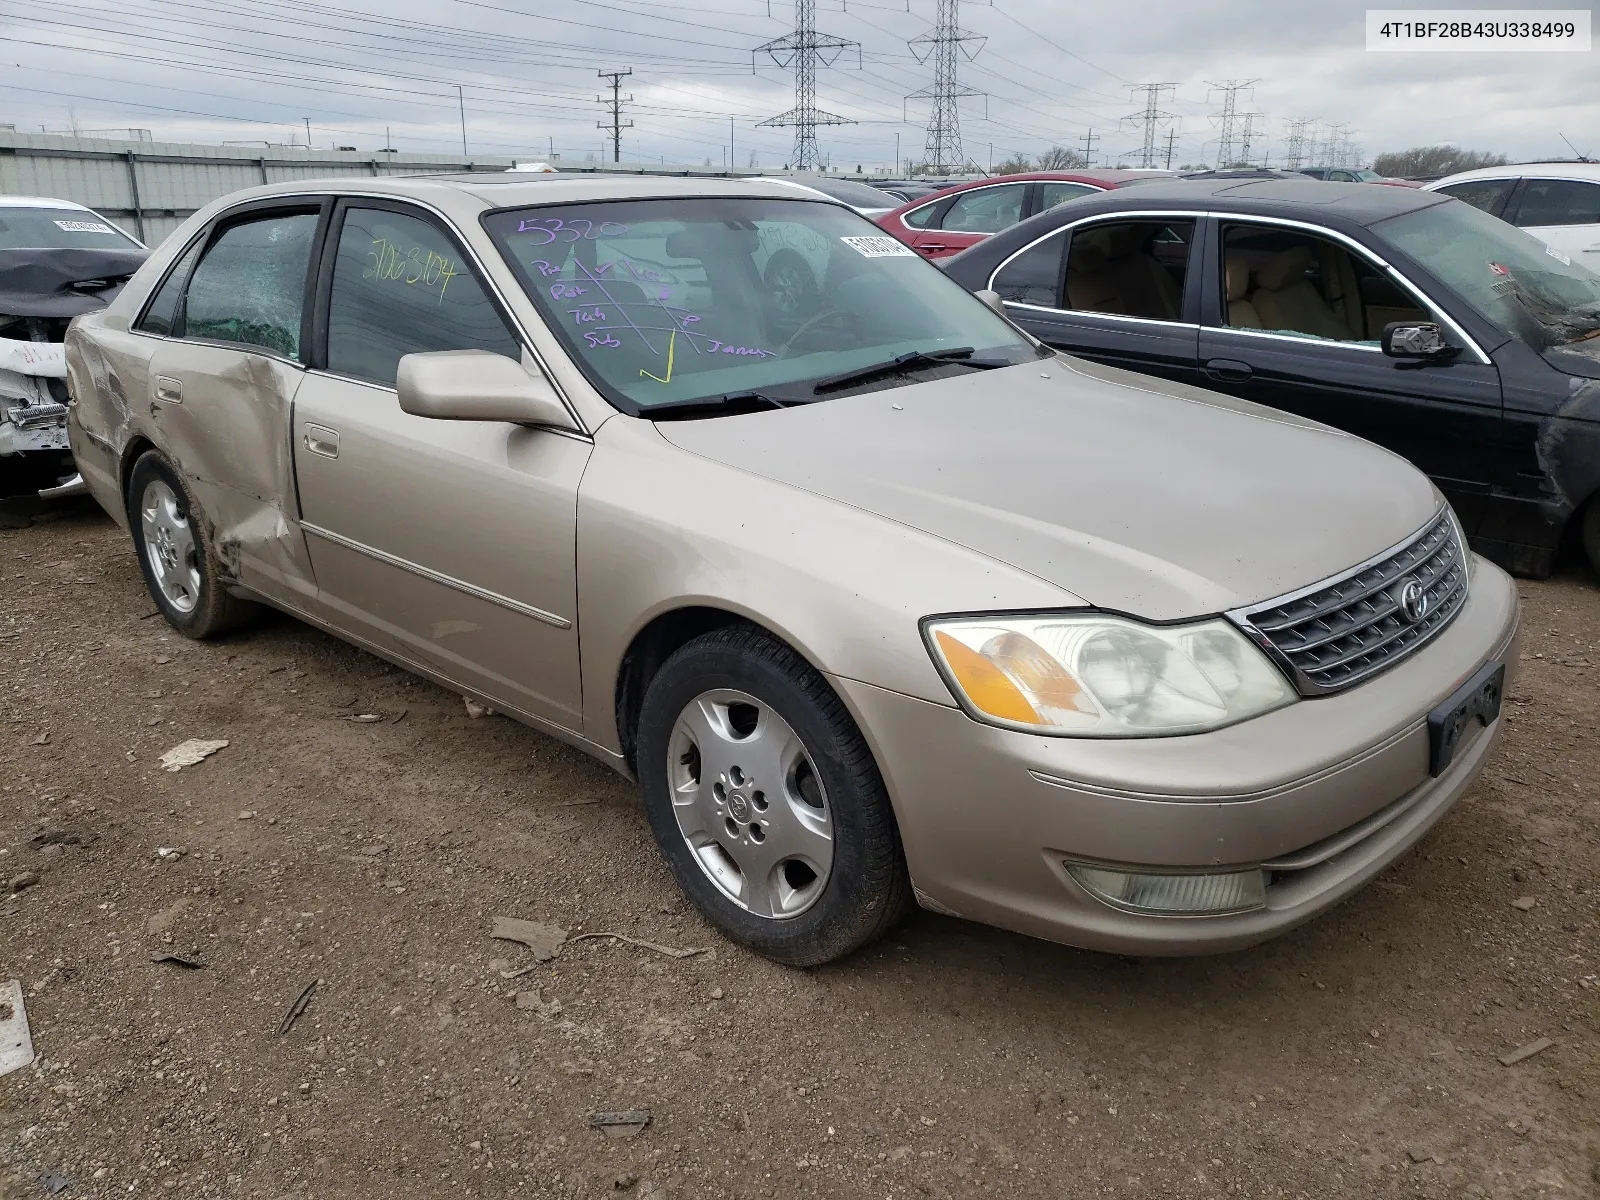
(807, 326)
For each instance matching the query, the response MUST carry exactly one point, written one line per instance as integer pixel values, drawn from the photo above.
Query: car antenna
(1582, 157)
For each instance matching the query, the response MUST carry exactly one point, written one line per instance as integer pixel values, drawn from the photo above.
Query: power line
(942, 152)
(616, 102)
(804, 49)
(1152, 117)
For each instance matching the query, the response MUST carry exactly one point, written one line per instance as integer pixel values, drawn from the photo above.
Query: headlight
(1089, 675)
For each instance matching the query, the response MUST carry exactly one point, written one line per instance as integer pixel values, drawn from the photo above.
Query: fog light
(1178, 895)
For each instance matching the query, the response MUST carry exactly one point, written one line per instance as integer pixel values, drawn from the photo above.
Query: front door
(1293, 320)
(1115, 291)
(452, 543)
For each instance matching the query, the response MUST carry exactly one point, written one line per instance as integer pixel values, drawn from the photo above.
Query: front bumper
(1324, 793)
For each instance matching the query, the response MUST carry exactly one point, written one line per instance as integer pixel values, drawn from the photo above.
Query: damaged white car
(57, 260)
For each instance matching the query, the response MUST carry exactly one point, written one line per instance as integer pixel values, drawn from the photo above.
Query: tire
(793, 287)
(180, 566)
(766, 802)
(1590, 531)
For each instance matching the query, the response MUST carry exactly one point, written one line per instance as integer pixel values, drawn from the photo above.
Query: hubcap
(169, 546)
(750, 804)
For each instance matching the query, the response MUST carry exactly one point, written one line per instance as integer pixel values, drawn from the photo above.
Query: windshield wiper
(711, 405)
(960, 355)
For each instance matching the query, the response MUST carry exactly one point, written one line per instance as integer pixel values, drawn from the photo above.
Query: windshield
(59, 229)
(856, 195)
(1510, 278)
(669, 301)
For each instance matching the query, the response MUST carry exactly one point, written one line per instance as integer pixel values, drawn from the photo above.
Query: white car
(58, 260)
(1559, 202)
(866, 200)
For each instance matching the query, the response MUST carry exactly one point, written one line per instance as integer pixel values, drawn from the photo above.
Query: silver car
(880, 601)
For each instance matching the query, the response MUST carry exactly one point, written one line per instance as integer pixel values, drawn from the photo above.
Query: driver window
(1287, 282)
(985, 210)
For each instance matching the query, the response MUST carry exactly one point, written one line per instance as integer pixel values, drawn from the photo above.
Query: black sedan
(1417, 322)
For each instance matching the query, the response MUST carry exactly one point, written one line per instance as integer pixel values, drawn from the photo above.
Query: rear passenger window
(1130, 268)
(921, 218)
(1034, 276)
(250, 286)
(400, 287)
(1558, 202)
(1488, 194)
(985, 210)
(1052, 194)
(162, 314)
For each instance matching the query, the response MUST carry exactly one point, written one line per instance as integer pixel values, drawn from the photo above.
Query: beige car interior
(1110, 269)
(1312, 287)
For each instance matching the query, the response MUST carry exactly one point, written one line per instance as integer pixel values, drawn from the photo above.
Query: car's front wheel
(179, 564)
(766, 801)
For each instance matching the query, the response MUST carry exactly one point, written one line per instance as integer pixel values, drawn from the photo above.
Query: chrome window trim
(449, 581)
(1299, 339)
(1079, 312)
(465, 242)
(1319, 230)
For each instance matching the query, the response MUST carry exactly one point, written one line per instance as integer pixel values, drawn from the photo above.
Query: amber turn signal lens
(984, 684)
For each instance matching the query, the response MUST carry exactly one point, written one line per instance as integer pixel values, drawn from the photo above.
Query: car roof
(40, 202)
(1551, 170)
(467, 195)
(1361, 203)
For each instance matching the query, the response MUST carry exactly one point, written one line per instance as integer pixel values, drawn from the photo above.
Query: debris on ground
(42, 740)
(1525, 903)
(669, 951)
(191, 964)
(170, 854)
(23, 880)
(1421, 1156)
(1538, 1046)
(475, 710)
(544, 940)
(160, 922)
(536, 1003)
(301, 1002)
(365, 718)
(187, 754)
(626, 1123)
(16, 1043)
(54, 1183)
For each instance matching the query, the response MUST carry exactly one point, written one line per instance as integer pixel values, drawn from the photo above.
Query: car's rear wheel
(766, 801)
(179, 564)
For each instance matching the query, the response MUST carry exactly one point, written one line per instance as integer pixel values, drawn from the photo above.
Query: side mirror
(1416, 340)
(992, 298)
(476, 385)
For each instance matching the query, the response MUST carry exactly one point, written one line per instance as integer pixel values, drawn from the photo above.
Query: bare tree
(1059, 158)
(1014, 165)
(1426, 162)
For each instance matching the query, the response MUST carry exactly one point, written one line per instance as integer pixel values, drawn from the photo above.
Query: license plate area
(1478, 699)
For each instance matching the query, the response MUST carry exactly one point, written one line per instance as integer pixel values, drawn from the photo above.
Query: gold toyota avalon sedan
(881, 602)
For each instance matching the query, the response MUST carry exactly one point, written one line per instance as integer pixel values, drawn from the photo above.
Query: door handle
(169, 390)
(932, 247)
(1229, 369)
(319, 439)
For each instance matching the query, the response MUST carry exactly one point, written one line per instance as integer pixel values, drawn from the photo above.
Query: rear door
(223, 381)
(452, 543)
(970, 216)
(1564, 214)
(1292, 319)
(1118, 290)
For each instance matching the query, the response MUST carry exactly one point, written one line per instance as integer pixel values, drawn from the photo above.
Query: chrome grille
(1337, 633)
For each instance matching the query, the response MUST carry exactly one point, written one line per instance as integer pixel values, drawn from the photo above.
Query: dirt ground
(1357, 1056)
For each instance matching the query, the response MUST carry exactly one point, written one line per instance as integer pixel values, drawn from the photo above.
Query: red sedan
(949, 221)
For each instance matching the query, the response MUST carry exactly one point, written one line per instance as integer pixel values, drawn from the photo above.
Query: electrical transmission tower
(1246, 132)
(943, 152)
(805, 49)
(1172, 137)
(1088, 140)
(1228, 119)
(1151, 117)
(1295, 155)
(616, 101)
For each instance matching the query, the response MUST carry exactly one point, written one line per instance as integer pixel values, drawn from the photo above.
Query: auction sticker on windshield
(879, 247)
(83, 226)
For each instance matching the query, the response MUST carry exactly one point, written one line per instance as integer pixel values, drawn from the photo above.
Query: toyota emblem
(1414, 602)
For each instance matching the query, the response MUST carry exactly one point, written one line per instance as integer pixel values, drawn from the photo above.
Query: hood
(63, 283)
(1141, 496)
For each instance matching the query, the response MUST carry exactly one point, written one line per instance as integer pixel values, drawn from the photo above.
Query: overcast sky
(1051, 71)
